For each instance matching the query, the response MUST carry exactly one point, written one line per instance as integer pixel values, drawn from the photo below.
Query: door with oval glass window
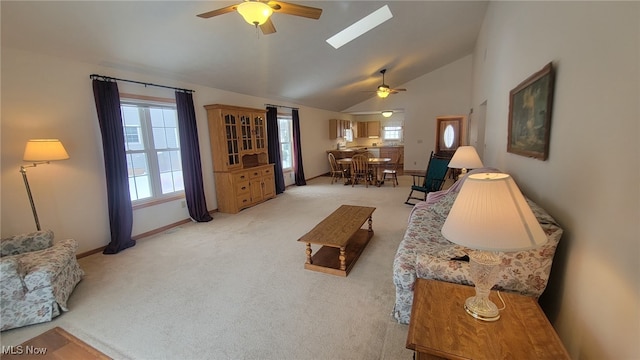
(449, 134)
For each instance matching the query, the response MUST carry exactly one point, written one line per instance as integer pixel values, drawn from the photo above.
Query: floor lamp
(37, 152)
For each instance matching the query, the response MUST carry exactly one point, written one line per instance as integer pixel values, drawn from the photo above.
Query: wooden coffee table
(342, 240)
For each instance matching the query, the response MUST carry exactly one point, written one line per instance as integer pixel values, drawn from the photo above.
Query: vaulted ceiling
(295, 64)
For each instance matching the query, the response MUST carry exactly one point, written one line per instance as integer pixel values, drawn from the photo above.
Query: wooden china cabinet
(239, 150)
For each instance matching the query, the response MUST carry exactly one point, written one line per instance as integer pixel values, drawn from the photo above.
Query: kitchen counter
(356, 148)
(385, 151)
(347, 152)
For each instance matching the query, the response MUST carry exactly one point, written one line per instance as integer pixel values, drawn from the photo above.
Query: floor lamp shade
(38, 150)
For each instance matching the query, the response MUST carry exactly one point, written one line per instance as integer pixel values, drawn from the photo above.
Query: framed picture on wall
(530, 115)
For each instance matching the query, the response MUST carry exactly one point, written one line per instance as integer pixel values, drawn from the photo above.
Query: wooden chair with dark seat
(393, 170)
(360, 170)
(432, 180)
(336, 170)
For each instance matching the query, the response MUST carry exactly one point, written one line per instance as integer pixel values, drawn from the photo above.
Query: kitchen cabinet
(238, 139)
(368, 129)
(337, 128)
(373, 128)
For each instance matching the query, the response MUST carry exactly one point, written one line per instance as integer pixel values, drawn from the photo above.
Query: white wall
(590, 183)
(445, 91)
(47, 97)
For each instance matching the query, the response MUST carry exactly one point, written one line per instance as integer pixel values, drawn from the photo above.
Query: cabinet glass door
(259, 129)
(247, 135)
(231, 137)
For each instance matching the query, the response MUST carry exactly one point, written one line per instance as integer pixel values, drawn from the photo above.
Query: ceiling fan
(384, 90)
(258, 12)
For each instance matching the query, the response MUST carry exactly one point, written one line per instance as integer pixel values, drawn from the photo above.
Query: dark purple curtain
(190, 154)
(273, 140)
(297, 150)
(107, 101)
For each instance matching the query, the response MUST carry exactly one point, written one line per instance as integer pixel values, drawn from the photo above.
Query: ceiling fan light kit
(255, 12)
(383, 92)
(258, 12)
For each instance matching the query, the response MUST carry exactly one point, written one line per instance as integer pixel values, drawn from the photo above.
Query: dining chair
(336, 170)
(432, 180)
(372, 169)
(393, 171)
(360, 169)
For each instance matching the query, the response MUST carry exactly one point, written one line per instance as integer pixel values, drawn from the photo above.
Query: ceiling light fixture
(360, 27)
(255, 12)
(387, 113)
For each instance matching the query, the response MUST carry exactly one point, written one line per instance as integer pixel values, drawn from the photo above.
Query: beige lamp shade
(44, 150)
(490, 213)
(255, 12)
(466, 157)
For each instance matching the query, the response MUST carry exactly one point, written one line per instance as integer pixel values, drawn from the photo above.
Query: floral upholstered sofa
(38, 276)
(425, 253)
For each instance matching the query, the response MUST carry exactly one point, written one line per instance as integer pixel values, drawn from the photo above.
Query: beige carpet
(235, 288)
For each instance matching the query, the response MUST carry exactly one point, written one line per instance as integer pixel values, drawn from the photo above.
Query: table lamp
(490, 214)
(40, 151)
(465, 157)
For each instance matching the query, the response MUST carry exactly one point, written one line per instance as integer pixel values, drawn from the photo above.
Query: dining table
(377, 163)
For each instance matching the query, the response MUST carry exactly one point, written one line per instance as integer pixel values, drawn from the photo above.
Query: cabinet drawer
(242, 187)
(240, 177)
(243, 200)
(267, 171)
(253, 174)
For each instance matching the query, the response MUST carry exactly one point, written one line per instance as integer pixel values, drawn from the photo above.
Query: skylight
(360, 27)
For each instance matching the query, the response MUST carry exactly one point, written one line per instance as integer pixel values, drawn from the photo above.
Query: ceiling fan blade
(217, 12)
(293, 9)
(393, 91)
(268, 28)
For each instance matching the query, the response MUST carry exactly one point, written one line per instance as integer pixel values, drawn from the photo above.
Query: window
(285, 126)
(348, 135)
(392, 133)
(153, 150)
(449, 134)
(132, 134)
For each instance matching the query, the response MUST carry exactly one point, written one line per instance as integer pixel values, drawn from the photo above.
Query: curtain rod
(109, 78)
(282, 106)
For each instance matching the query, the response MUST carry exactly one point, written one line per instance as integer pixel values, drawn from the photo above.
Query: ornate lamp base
(481, 309)
(483, 271)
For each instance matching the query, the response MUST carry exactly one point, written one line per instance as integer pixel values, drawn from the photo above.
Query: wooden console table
(440, 328)
(342, 240)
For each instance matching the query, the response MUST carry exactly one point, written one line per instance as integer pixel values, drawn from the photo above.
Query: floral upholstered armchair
(38, 276)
